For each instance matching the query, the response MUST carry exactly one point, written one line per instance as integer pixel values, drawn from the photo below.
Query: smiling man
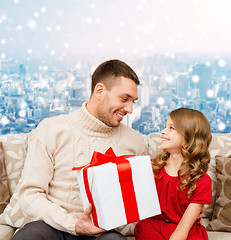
(114, 92)
(49, 191)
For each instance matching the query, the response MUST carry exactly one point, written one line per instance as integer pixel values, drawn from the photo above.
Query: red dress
(173, 204)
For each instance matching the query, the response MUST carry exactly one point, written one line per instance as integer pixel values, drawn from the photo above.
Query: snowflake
(18, 28)
(3, 41)
(44, 83)
(43, 9)
(89, 20)
(221, 63)
(29, 51)
(3, 55)
(58, 28)
(45, 68)
(36, 14)
(56, 101)
(170, 79)
(4, 17)
(121, 24)
(32, 24)
(99, 45)
(228, 104)
(160, 100)
(195, 78)
(210, 93)
(221, 126)
(78, 66)
(39, 101)
(52, 52)
(5, 120)
(22, 113)
(66, 45)
(49, 28)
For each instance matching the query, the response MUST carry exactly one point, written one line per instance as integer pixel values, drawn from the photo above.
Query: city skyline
(167, 83)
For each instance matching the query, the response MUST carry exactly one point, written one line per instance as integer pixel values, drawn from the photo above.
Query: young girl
(182, 183)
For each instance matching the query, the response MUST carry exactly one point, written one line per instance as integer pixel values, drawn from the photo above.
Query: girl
(182, 183)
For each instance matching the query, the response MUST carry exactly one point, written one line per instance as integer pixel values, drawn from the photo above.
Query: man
(49, 191)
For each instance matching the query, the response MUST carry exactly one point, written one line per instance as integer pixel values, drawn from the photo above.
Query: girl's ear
(99, 90)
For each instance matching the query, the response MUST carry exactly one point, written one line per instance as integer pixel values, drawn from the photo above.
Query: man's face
(117, 102)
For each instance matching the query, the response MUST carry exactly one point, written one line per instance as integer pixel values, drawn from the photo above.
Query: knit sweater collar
(86, 120)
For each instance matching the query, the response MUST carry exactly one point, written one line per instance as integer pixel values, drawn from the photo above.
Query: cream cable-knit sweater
(49, 189)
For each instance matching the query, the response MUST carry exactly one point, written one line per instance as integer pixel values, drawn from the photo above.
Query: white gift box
(108, 199)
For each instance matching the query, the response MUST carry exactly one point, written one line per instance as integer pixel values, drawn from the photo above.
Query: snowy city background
(180, 50)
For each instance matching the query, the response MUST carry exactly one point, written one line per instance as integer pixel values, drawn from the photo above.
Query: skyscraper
(22, 74)
(182, 85)
(203, 79)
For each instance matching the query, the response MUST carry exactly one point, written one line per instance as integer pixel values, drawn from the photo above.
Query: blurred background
(179, 49)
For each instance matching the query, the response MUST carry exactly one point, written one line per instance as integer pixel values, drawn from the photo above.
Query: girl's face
(171, 139)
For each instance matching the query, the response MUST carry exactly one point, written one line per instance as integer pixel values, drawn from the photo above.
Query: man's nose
(129, 107)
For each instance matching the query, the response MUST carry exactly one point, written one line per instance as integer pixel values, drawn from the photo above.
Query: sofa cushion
(4, 191)
(14, 147)
(6, 232)
(13, 215)
(221, 220)
(153, 141)
(220, 145)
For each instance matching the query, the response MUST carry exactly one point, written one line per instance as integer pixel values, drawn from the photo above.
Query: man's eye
(124, 99)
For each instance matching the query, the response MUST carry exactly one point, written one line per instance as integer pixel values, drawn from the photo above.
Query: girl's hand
(188, 219)
(201, 215)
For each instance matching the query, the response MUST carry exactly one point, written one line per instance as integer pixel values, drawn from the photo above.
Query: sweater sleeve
(37, 174)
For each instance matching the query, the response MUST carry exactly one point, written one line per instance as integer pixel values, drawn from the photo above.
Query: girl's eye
(171, 127)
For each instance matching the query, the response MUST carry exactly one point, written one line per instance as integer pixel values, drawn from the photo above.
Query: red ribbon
(125, 179)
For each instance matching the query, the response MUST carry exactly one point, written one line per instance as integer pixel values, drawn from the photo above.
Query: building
(201, 79)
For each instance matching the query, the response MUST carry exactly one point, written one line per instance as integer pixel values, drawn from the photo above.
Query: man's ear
(99, 90)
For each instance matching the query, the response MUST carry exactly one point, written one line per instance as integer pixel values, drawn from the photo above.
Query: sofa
(13, 148)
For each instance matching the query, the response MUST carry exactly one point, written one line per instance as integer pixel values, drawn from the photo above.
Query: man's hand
(84, 225)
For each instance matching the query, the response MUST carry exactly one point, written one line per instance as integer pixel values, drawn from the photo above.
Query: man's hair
(112, 68)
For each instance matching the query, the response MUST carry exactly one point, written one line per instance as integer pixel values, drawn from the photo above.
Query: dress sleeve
(203, 191)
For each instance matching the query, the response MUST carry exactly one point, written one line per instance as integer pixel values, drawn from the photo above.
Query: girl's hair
(195, 129)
